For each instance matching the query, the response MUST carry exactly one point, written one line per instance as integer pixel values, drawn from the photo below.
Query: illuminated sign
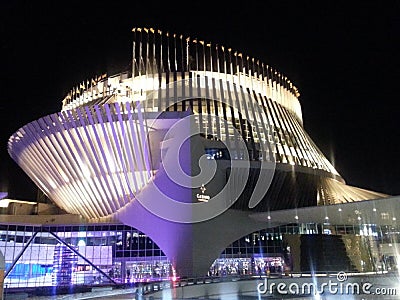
(202, 197)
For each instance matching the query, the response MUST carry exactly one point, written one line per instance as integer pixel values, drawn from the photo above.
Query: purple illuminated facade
(107, 154)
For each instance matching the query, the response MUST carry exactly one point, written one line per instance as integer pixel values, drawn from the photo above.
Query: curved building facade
(195, 137)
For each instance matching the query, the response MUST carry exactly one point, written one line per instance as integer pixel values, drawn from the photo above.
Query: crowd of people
(248, 266)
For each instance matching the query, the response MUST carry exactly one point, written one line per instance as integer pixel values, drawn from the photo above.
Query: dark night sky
(344, 56)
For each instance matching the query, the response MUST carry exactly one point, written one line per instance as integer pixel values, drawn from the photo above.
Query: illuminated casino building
(185, 158)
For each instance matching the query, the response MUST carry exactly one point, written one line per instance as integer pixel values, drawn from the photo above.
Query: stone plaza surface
(380, 286)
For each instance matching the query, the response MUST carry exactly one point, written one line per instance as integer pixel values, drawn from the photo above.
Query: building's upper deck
(162, 58)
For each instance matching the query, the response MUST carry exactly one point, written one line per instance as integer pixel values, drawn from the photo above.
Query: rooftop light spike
(211, 61)
(217, 54)
(168, 58)
(182, 57)
(187, 53)
(258, 70)
(140, 55)
(154, 61)
(204, 58)
(175, 58)
(196, 53)
(224, 61)
(147, 53)
(252, 71)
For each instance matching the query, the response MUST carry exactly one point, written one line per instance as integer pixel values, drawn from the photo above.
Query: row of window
(48, 256)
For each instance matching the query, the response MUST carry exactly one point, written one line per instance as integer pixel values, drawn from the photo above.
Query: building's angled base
(192, 248)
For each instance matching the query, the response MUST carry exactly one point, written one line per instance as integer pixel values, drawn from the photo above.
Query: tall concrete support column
(191, 248)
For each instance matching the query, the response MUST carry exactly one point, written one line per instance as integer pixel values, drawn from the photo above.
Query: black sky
(342, 55)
